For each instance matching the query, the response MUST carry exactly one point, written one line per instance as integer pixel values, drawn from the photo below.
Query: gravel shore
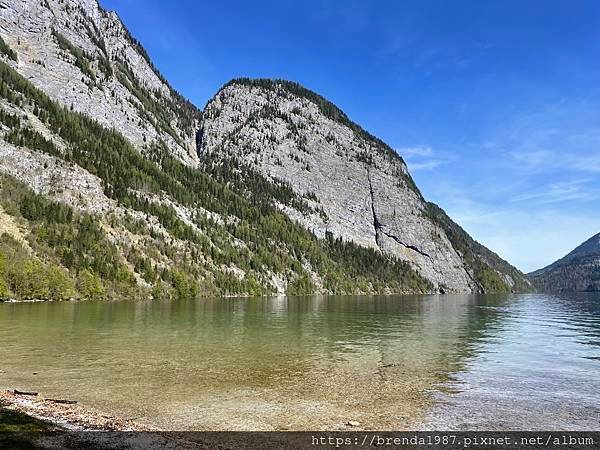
(35, 422)
(72, 417)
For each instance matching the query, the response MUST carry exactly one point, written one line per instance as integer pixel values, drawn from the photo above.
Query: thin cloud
(427, 165)
(562, 136)
(531, 233)
(589, 161)
(420, 158)
(575, 190)
(415, 151)
(522, 237)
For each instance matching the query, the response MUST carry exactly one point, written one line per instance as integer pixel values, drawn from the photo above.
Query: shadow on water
(273, 363)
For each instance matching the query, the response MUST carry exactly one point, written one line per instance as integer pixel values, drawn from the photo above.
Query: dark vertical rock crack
(376, 223)
(378, 227)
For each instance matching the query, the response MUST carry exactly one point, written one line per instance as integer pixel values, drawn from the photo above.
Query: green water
(278, 363)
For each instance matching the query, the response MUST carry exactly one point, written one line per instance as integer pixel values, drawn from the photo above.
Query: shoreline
(28, 421)
(48, 414)
(69, 417)
(241, 296)
(41, 423)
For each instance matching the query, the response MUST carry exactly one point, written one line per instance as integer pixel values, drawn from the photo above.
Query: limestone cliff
(357, 187)
(83, 57)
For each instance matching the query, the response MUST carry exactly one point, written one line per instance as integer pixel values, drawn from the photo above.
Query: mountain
(351, 185)
(112, 184)
(577, 271)
(83, 57)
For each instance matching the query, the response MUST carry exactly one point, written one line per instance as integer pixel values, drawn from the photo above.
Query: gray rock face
(30, 27)
(360, 190)
(52, 177)
(348, 184)
(577, 271)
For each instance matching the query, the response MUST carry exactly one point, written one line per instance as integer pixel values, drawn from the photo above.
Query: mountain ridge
(85, 58)
(579, 270)
(177, 196)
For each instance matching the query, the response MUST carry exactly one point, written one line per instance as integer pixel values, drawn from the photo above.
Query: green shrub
(303, 285)
(184, 287)
(3, 285)
(25, 278)
(5, 49)
(29, 278)
(90, 286)
(60, 285)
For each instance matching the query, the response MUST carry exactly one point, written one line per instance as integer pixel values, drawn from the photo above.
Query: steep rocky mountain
(352, 185)
(112, 184)
(577, 271)
(84, 58)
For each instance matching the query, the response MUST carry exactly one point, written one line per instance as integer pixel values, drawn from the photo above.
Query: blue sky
(495, 105)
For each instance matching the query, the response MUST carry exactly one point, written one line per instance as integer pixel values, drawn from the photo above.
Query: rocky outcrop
(577, 271)
(84, 58)
(359, 189)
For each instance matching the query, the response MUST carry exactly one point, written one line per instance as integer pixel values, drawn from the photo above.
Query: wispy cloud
(419, 158)
(516, 193)
(561, 136)
(584, 161)
(588, 164)
(528, 238)
(408, 152)
(429, 165)
(572, 190)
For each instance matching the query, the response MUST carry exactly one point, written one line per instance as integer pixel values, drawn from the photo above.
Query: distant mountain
(113, 184)
(578, 271)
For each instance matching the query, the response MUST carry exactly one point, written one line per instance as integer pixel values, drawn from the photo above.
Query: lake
(398, 362)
